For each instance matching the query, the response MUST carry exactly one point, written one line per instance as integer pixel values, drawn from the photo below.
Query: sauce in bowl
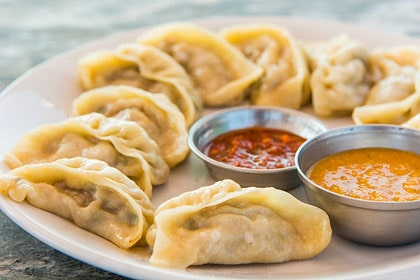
(379, 174)
(255, 148)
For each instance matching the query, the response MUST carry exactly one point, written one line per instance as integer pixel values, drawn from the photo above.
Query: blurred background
(33, 31)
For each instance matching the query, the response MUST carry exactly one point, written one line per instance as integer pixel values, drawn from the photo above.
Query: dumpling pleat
(144, 67)
(285, 81)
(220, 73)
(122, 144)
(226, 224)
(88, 192)
(155, 113)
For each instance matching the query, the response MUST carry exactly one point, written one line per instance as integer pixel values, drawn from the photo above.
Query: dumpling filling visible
(122, 144)
(88, 192)
(285, 81)
(201, 64)
(154, 112)
(220, 73)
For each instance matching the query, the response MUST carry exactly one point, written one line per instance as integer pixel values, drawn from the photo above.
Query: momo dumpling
(390, 61)
(220, 73)
(161, 119)
(394, 112)
(122, 144)
(93, 195)
(395, 96)
(392, 88)
(226, 224)
(144, 67)
(393, 72)
(285, 81)
(340, 78)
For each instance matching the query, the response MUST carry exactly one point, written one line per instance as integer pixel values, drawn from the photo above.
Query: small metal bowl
(217, 123)
(364, 221)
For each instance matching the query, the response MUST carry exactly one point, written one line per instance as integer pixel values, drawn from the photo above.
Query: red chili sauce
(255, 148)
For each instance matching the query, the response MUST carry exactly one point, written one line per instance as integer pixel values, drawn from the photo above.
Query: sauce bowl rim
(212, 115)
(341, 198)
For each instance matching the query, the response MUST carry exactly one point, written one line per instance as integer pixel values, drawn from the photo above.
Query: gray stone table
(33, 31)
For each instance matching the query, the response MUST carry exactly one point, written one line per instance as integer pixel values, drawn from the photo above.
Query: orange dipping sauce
(380, 174)
(255, 148)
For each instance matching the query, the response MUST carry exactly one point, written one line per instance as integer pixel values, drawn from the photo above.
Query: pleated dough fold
(395, 96)
(227, 224)
(155, 113)
(395, 112)
(220, 73)
(88, 192)
(122, 144)
(339, 79)
(285, 81)
(145, 67)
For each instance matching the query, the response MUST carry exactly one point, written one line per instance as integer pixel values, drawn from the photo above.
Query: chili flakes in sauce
(255, 148)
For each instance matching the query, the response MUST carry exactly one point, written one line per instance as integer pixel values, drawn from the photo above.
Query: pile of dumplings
(129, 128)
(378, 86)
(263, 64)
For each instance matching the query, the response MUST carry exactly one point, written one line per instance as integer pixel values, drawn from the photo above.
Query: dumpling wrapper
(340, 79)
(225, 224)
(93, 195)
(389, 61)
(122, 144)
(220, 73)
(159, 117)
(396, 112)
(145, 67)
(393, 72)
(285, 81)
(413, 122)
(392, 88)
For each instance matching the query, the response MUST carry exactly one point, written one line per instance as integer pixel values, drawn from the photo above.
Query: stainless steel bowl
(214, 124)
(369, 222)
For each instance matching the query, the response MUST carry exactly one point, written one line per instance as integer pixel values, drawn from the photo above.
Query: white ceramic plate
(44, 95)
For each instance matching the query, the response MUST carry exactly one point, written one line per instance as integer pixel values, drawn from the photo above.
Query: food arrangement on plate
(98, 168)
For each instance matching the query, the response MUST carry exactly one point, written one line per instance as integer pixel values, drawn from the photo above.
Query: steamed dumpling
(394, 71)
(89, 193)
(389, 61)
(395, 97)
(220, 73)
(392, 88)
(122, 144)
(145, 67)
(155, 113)
(395, 112)
(340, 79)
(225, 224)
(285, 81)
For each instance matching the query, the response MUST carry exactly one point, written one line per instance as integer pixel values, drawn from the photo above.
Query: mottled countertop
(33, 31)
